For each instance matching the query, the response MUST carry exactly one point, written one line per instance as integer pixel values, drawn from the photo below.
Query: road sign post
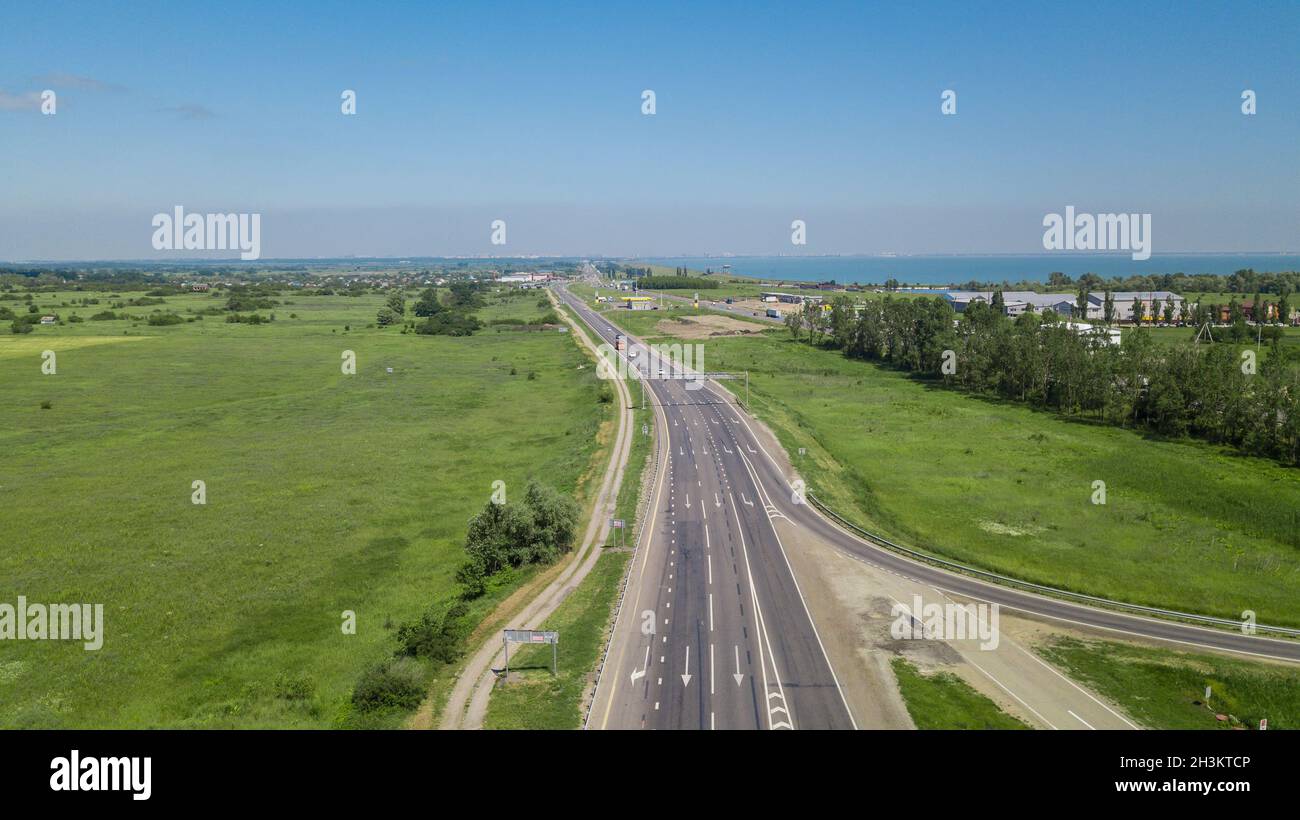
(534, 637)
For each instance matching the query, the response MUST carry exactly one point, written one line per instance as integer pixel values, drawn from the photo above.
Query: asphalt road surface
(714, 632)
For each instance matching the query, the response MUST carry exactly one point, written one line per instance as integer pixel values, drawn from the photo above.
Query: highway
(714, 633)
(717, 585)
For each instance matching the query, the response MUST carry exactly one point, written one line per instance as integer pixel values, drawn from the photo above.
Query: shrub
(435, 635)
(104, 316)
(294, 687)
(47, 404)
(20, 327)
(449, 323)
(160, 319)
(394, 684)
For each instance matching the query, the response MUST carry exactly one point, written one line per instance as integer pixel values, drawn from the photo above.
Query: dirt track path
(467, 705)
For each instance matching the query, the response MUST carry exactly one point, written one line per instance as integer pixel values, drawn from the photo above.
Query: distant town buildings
(1016, 302)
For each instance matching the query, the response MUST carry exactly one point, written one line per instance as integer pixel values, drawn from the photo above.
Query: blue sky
(531, 113)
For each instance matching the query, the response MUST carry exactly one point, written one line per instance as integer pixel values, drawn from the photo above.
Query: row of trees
(1243, 281)
(669, 282)
(455, 317)
(1217, 392)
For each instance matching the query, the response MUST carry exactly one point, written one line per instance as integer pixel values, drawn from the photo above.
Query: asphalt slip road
(714, 631)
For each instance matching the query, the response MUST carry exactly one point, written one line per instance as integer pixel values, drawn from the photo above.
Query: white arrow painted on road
(641, 674)
(738, 676)
(688, 501)
(717, 502)
(686, 678)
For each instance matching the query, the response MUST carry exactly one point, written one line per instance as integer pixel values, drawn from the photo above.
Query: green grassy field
(1165, 689)
(1004, 487)
(325, 492)
(945, 701)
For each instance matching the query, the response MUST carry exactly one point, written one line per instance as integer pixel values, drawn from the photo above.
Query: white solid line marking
(1012, 694)
(1081, 720)
(1076, 686)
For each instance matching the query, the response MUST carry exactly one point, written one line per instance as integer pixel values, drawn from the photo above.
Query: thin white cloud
(64, 80)
(31, 101)
(190, 111)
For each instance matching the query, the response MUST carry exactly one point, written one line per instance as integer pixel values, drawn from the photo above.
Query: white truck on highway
(773, 313)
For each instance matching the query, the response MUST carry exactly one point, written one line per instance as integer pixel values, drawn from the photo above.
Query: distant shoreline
(956, 269)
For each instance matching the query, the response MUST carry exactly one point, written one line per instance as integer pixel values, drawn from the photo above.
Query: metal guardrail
(1016, 582)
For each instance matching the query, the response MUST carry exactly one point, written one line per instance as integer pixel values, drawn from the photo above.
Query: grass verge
(944, 701)
(1165, 689)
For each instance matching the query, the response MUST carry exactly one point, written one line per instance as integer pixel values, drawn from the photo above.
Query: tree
(387, 316)
(449, 323)
(794, 323)
(1081, 304)
(1138, 310)
(397, 303)
(464, 294)
(555, 519)
(1108, 308)
(999, 306)
(428, 303)
(513, 534)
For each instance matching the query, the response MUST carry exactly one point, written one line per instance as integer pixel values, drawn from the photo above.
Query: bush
(294, 687)
(238, 303)
(20, 327)
(435, 635)
(161, 319)
(394, 684)
(473, 578)
(105, 316)
(449, 323)
(513, 534)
